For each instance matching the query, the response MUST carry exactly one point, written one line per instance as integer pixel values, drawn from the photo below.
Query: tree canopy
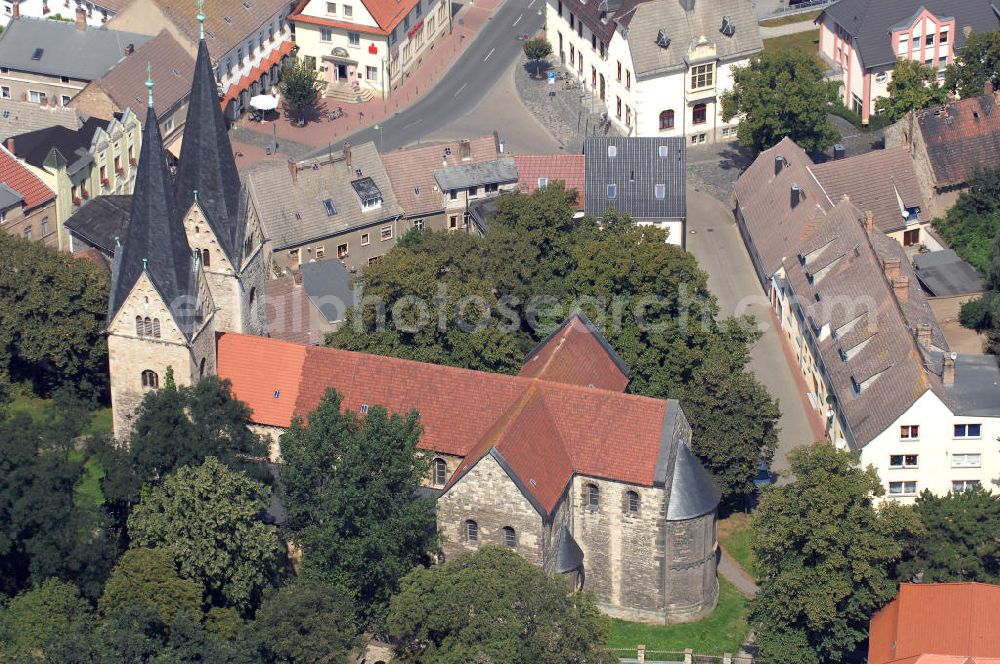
(349, 484)
(301, 86)
(494, 606)
(825, 557)
(149, 577)
(782, 93)
(914, 85)
(976, 63)
(36, 615)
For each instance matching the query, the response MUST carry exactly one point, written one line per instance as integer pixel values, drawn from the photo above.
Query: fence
(639, 655)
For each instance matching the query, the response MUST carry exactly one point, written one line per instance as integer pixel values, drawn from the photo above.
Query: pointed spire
(201, 20)
(149, 82)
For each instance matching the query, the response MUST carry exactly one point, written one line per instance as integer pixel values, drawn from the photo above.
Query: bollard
(688, 656)
(640, 654)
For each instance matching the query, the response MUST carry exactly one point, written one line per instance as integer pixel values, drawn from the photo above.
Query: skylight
(329, 207)
(612, 191)
(661, 191)
(37, 55)
(662, 150)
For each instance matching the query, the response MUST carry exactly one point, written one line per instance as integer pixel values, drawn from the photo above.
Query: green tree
(913, 86)
(34, 617)
(348, 485)
(976, 63)
(206, 519)
(53, 311)
(825, 557)
(961, 542)
(778, 94)
(301, 87)
(537, 49)
(494, 606)
(149, 577)
(307, 622)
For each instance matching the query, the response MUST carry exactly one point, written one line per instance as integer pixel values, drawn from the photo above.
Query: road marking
(487, 57)
(518, 20)
(460, 89)
(415, 122)
(531, 3)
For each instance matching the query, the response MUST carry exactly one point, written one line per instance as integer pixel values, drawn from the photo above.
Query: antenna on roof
(201, 20)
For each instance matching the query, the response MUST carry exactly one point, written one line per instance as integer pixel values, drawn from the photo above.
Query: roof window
(543, 183)
(246, 5)
(662, 40)
(728, 27)
(660, 191)
(37, 55)
(612, 151)
(228, 20)
(329, 207)
(662, 150)
(612, 191)
(364, 409)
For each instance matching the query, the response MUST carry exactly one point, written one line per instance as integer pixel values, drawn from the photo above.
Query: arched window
(140, 330)
(148, 324)
(593, 496)
(699, 114)
(201, 368)
(440, 472)
(509, 537)
(667, 120)
(632, 502)
(253, 296)
(156, 328)
(471, 532)
(206, 258)
(150, 379)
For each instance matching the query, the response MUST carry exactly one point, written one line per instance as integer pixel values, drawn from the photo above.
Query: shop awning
(273, 58)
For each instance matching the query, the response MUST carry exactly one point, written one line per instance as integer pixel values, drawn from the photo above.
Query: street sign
(552, 78)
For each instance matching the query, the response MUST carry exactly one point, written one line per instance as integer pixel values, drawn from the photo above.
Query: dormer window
(368, 193)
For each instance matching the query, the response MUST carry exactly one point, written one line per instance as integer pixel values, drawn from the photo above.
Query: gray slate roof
(501, 171)
(635, 169)
(976, 391)
(101, 220)
(20, 117)
(569, 555)
(328, 286)
(9, 197)
(292, 211)
(869, 22)
(685, 29)
(943, 274)
(66, 51)
(693, 492)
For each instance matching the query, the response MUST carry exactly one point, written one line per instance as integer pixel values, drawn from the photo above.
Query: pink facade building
(864, 38)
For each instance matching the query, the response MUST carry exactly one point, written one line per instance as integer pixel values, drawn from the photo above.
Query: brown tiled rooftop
(961, 136)
(567, 168)
(173, 69)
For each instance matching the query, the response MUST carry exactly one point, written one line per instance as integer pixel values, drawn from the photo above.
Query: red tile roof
(411, 171)
(954, 619)
(577, 354)
(565, 167)
(288, 311)
(545, 431)
(961, 136)
(18, 178)
(387, 14)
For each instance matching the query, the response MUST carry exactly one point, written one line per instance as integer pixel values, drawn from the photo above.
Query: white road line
(518, 20)
(415, 122)
(460, 89)
(487, 57)
(531, 3)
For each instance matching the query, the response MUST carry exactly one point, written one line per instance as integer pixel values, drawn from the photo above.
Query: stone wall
(251, 293)
(488, 496)
(692, 588)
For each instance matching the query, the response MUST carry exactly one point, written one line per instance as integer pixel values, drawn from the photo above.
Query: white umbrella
(264, 102)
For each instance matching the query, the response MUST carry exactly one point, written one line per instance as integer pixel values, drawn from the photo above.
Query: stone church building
(559, 462)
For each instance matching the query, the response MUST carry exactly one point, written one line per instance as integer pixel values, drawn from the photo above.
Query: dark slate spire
(156, 242)
(207, 162)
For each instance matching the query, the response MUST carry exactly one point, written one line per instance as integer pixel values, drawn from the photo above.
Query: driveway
(715, 241)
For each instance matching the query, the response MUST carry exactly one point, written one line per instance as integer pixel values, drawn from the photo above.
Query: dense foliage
(53, 311)
(778, 94)
(484, 303)
(301, 86)
(976, 63)
(913, 86)
(494, 606)
(825, 558)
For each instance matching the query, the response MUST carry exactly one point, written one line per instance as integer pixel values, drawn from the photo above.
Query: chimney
(293, 168)
(839, 152)
(347, 153)
(890, 267)
(81, 18)
(796, 194)
(16, 11)
(869, 221)
(779, 162)
(129, 50)
(948, 371)
(465, 150)
(688, 5)
(923, 334)
(901, 288)
(10, 143)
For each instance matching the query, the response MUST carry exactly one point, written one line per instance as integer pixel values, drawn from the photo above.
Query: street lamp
(379, 128)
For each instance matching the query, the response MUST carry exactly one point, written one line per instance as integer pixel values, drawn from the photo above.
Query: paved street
(715, 241)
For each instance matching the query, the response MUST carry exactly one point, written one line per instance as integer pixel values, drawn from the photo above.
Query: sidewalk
(467, 22)
(787, 29)
(730, 570)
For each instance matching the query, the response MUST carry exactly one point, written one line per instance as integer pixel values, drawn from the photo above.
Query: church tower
(161, 313)
(214, 207)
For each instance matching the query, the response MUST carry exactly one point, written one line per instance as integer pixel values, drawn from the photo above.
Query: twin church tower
(192, 262)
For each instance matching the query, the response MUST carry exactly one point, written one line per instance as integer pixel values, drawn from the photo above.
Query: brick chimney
(901, 288)
(10, 145)
(293, 168)
(948, 371)
(869, 221)
(347, 154)
(890, 267)
(779, 162)
(129, 50)
(923, 335)
(81, 18)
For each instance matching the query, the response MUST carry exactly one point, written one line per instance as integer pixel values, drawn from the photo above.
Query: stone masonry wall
(692, 588)
(487, 495)
(252, 302)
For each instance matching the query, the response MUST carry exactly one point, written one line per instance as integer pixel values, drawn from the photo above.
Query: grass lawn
(791, 18)
(800, 41)
(88, 491)
(723, 631)
(34, 406)
(734, 536)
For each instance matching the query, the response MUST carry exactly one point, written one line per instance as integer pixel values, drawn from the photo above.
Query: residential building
(124, 86)
(48, 62)
(864, 38)
(656, 67)
(100, 225)
(640, 176)
(96, 13)
(308, 304)
(474, 169)
(19, 117)
(365, 48)
(937, 623)
(99, 158)
(949, 282)
(538, 171)
(948, 143)
(339, 207)
(247, 40)
(27, 205)
(876, 364)
(559, 463)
